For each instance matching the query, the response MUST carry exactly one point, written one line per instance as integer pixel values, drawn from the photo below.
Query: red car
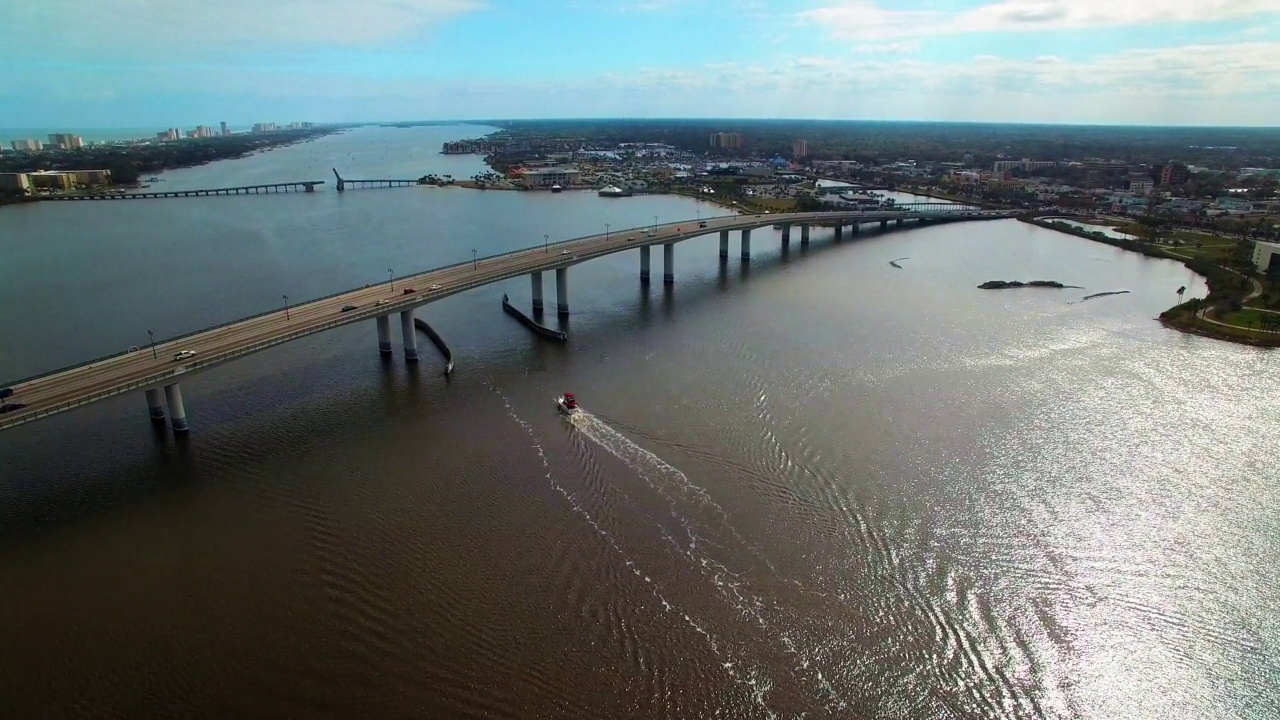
(409, 291)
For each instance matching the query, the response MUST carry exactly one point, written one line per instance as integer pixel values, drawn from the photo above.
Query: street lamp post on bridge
(286, 306)
(153, 345)
(391, 278)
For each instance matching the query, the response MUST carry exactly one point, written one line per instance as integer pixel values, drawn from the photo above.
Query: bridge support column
(786, 234)
(562, 291)
(746, 244)
(669, 263)
(155, 405)
(898, 222)
(839, 232)
(724, 243)
(884, 224)
(410, 336)
(804, 234)
(855, 228)
(177, 413)
(535, 286)
(644, 264)
(384, 333)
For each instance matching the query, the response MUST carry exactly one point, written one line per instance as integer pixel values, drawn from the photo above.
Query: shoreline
(1195, 316)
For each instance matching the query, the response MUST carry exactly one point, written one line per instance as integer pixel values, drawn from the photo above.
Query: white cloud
(908, 46)
(115, 25)
(867, 20)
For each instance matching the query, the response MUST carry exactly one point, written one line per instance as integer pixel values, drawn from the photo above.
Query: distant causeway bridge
(157, 370)
(299, 186)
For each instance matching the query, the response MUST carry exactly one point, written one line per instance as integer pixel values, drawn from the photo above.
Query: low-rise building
(1266, 256)
(51, 180)
(546, 177)
(1142, 187)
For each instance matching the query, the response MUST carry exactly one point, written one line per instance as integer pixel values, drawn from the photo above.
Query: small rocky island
(1004, 284)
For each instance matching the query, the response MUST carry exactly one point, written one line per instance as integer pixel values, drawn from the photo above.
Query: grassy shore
(1221, 314)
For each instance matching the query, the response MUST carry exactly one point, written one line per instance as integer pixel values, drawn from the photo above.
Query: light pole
(655, 224)
(153, 345)
(473, 258)
(606, 232)
(391, 278)
(546, 243)
(699, 214)
(286, 306)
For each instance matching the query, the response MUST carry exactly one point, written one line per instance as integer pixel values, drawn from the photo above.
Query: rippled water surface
(815, 486)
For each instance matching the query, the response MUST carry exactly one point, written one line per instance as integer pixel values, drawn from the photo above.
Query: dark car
(409, 291)
(702, 224)
(10, 407)
(348, 308)
(6, 392)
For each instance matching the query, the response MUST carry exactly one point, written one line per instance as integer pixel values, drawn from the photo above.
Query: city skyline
(147, 63)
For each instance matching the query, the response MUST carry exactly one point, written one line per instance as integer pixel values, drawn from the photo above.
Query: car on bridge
(183, 355)
(383, 301)
(434, 287)
(11, 406)
(348, 308)
(408, 291)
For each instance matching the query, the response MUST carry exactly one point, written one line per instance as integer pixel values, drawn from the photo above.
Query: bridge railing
(348, 318)
(91, 397)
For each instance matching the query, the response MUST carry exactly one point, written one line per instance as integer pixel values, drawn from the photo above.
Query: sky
(162, 63)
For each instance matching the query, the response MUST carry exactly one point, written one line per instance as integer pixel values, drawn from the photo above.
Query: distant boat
(556, 188)
(613, 191)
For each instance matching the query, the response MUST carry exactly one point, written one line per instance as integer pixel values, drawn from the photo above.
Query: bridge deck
(71, 387)
(298, 186)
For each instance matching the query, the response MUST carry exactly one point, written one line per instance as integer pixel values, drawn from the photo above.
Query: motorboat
(568, 404)
(556, 188)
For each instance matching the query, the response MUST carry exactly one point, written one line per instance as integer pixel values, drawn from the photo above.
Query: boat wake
(753, 680)
(705, 531)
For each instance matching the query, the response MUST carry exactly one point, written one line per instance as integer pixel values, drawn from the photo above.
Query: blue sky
(144, 63)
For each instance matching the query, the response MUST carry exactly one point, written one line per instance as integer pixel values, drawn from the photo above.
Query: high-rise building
(264, 127)
(800, 148)
(225, 131)
(1174, 173)
(727, 141)
(66, 141)
(27, 145)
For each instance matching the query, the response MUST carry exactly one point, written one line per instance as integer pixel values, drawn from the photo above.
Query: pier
(344, 183)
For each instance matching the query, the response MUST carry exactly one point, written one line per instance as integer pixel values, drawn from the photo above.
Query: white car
(384, 301)
(564, 252)
(183, 355)
(433, 287)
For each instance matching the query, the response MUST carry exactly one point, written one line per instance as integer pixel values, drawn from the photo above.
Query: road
(141, 369)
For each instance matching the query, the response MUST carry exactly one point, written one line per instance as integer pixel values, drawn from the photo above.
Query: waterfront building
(14, 183)
(26, 145)
(264, 127)
(51, 180)
(223, 127)
(546, 177)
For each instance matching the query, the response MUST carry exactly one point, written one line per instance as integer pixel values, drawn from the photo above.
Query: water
(816, 486)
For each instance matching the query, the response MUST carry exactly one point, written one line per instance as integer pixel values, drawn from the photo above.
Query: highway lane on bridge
(139, 370)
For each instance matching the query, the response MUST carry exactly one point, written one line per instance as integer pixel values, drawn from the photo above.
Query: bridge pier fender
(562, 291)
(669, 263)
(724, 243)
(535, 287)
(155, 405)
(410, 336)
(644, 264)
(746, 244)
(384, 334)
(177, 413)
(804, 234)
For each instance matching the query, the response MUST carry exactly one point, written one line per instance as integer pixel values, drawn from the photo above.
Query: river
(812, 486)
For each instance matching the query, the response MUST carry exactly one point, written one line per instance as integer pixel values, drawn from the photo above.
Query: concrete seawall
(438, 341)
(528, 322)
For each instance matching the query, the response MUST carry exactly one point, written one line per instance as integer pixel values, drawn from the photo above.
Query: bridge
(344, 182)
(157, 372)
(299, 186)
